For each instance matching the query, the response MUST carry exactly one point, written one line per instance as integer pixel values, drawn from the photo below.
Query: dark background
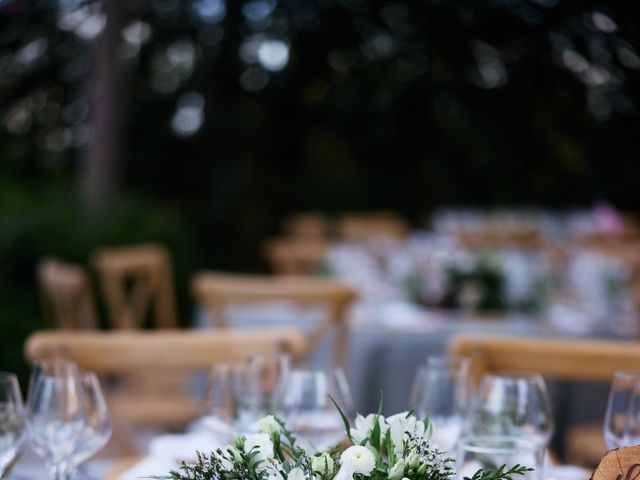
(403, 105)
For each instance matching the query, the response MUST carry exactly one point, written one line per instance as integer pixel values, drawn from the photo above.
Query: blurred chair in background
(563, 360)
(67, 297)
(160, 354)
(308, 226)
(359, 226)
(135, 281)
(215, 292)
(296, 256)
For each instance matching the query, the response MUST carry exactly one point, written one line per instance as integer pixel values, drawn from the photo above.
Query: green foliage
(501, 473)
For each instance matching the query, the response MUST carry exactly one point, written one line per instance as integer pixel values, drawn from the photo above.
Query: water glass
(12, 422)
(56, 415)
(622, 419)
(97, 428)
(263, 377)
(304, 401)
(512, 405)
(441, 391)
(492, 452)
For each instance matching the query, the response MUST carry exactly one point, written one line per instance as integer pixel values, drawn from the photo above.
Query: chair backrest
(66, 294)
(148, 269)
(295, 256)
(364, 225)
(127, 352)
(558, 359)
(500, 237)
(216, 291)
(309, 226)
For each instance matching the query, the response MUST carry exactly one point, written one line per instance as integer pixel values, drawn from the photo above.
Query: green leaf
(374, 439)
(345, 420)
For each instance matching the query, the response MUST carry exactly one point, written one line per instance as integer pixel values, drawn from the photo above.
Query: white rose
(261, 443)
(295, 474)
(360, 458)
(322, 463)
(364, 426)
(269, 425)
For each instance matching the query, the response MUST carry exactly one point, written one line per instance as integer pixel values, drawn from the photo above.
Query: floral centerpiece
(376, 448)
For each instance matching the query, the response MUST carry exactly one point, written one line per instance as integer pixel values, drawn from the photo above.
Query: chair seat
(584, 445)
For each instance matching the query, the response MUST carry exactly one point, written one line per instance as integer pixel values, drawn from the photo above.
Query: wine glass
(12, 422)
(56, 416)
(491, 452)
(263, 376)
(97, 428)
(305, 403)
(622, 420)
(441, 391)
(513, 405)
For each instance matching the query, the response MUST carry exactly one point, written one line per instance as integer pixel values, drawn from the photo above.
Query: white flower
(295, 474)
(397, 471)
(269, 425)
(401, 424)
(364, 426)
(322, 463)
(360, 458)
(261, 443)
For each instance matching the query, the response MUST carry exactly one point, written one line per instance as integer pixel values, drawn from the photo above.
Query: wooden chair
(308, 226)
(66, 294)
(365, 225)
(161, 352)
(568, 360)
(295, 256)
(217, 291)
(148, 269)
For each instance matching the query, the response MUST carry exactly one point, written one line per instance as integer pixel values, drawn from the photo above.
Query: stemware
(97, 428)
(12, 423)
(56, 416)
(220, 393)
(305, 403)
(263, 377)
(491, 452)
(515, 405)
(441, 391)
(622, 419)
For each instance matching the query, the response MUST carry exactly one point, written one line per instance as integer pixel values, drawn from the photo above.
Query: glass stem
(58, 471)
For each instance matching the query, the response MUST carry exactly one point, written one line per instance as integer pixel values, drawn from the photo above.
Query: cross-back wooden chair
(162, 353)
(556, 359)
(216, 291)
(309, 226)
(66, 294)
(365, 225)
(147, 268)
(295, 256)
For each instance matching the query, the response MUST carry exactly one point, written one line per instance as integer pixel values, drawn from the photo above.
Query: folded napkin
(167, 451)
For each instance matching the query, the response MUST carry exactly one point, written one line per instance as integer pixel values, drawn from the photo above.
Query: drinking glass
(622, 419)
(306, 407)
(12, 422)
(491, 452)
(220, 393)
(56, 414)
(97, 428)
(259, 384)
(512, 405)
(441, 391)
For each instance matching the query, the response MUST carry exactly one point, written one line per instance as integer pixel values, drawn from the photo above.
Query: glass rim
(483, 443)
(448, 361)
(6, 375)
(627, 374)
(514, 375)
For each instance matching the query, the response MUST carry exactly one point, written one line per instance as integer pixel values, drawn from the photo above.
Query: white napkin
(568, 472)
(167, 451)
